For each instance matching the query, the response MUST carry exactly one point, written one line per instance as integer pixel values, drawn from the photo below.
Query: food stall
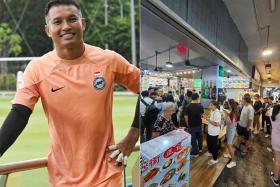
(165, 160)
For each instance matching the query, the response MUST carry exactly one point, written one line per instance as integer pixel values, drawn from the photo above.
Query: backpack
(151, 112)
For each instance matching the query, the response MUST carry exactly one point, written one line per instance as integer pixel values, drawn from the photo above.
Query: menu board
(187, 83)
(236, 82)
(152, 81)
(174, 83)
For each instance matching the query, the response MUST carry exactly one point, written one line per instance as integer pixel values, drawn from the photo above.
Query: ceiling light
(228, 70)
(185, 72)
(169, 64)
(193, 71)
(189, 72)
(267, 52)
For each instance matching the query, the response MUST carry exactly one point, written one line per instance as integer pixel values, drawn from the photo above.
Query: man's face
(65, 26)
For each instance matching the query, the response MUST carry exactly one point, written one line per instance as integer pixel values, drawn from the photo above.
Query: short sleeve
(126, 74)
(251, 113)
(217, 117)
(28, 93)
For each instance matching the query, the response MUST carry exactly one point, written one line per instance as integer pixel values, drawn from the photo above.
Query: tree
(9, 41)
(9, 44)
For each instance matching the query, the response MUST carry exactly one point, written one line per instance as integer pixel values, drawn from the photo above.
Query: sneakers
(275, 182)
(256, 132)
(266, 136)
(261, 129)
(231, 164)
(200, 151)
(227, 155)
(212, 162)
(195, 156)
(207, 154)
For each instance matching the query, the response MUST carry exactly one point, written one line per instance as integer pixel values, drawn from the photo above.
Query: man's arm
(250, 119)
(13, 126)
(126, 145)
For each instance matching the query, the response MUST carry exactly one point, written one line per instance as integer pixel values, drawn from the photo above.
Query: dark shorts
(242, 131)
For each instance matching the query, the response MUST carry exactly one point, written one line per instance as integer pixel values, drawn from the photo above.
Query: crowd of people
(171, 111)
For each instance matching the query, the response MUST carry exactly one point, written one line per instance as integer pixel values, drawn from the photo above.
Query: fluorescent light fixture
(267, 52)
(169, 64)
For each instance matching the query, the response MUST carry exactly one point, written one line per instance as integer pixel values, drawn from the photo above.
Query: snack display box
(165, 160)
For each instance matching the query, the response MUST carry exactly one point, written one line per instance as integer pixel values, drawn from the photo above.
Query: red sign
(182, 49)
(169, 152)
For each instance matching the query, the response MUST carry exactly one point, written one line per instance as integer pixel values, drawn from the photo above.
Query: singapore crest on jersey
(99, 82)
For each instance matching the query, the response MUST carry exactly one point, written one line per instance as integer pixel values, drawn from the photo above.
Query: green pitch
(34, 141)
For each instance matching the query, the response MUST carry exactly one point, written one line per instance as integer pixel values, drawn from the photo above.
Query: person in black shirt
(258, 108)
(264, 108)
(187, 100)
(193, 114)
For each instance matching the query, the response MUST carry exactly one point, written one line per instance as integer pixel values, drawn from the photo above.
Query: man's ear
(84, 24)
(47, 30)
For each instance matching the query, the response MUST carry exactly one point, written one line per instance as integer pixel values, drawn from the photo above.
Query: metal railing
(6, 169)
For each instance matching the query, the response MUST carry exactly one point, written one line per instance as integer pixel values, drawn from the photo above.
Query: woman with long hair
(231, 119)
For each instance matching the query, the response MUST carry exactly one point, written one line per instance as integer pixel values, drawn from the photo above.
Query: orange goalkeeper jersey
(77, 98)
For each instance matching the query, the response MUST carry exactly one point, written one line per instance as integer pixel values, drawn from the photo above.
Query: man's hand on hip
(123, 149)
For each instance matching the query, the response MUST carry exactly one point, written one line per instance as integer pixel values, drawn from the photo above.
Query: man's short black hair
(271, 98)
(195, 96)
(189, 93)
(145, 93)
(53, 3)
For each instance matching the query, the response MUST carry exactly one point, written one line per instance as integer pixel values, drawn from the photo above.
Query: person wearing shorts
(232, 118)
(275, 141)
(246, 123)
(75, 83)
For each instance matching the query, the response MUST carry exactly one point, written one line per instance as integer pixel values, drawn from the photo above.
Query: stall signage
(169, 152)
(151, 163)
(197, 83)
(221, 71)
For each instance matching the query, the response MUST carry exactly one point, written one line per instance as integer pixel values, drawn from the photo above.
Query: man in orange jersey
(75, 83)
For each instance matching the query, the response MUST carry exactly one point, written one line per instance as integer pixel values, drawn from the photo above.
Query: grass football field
(34, 141)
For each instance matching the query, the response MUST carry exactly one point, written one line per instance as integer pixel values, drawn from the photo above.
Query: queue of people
(186, 112)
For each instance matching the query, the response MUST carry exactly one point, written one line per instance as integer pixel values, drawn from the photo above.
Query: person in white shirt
(268, 114)
(214, 122)
(246, 122)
